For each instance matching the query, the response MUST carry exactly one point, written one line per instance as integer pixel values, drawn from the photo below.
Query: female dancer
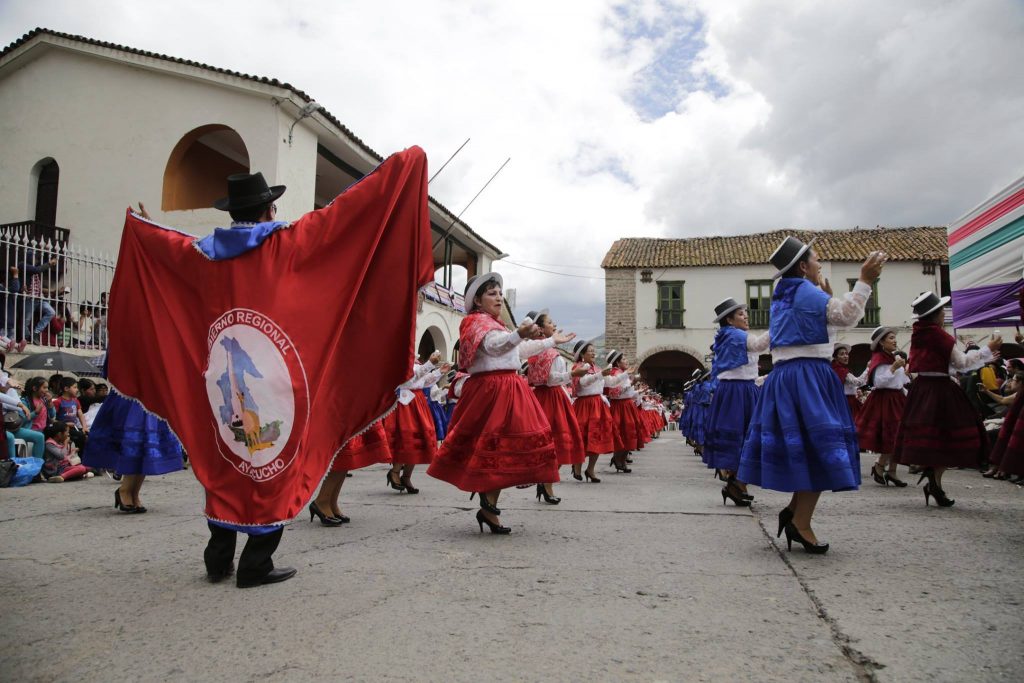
(456, 380)
(549, 375)
(1007, 457)
(498, 436)
(134, 443)
(369, 447)
(940, 429)
(801, 437)
(851, 382)
(410, 426)
(736, 354)
(879, 421)
(592, 412)
(630, 433)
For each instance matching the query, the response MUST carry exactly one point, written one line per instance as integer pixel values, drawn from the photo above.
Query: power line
(560, 265)
(553, 272)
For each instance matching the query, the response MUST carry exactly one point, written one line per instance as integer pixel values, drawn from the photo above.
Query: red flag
(255, 360)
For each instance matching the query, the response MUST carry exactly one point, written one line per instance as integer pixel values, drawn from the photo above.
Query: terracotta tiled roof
(901, 244)
(28, 37)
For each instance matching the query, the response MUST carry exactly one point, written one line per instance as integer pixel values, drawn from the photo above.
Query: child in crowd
(37, 400)
(61, 461)
(69, 411)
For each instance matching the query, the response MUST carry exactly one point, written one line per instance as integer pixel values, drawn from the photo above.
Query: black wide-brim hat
(787, 254)
(246, 190)
(726, 308)
(927, 303)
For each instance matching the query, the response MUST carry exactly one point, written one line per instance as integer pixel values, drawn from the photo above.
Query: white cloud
(633, 119)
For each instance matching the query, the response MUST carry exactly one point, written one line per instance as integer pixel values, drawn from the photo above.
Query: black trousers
(256, 560)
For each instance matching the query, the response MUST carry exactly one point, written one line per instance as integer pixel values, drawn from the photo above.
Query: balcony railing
(758, 317)
(52, 294)
(871, 318)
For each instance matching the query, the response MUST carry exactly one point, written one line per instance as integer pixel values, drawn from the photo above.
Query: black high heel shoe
(495, 528)
(940, 496)
(621, 467)
(118, 505)
(793, 534)
(878, 476)
(891, 479)
(552, 500)
(737, 501)
(926, 473)
(591, 478)
(486, 504)
(326, 520)
(391, 482)
(785, 517)
(577, 475)
(407, 485)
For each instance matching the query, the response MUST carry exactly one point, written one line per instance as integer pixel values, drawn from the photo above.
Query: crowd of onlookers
(51, 417)
(37, 308)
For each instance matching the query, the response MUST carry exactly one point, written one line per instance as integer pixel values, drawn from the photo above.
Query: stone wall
(620, 310)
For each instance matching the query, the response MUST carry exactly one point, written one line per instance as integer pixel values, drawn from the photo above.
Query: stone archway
(431, 340)
(667, 368)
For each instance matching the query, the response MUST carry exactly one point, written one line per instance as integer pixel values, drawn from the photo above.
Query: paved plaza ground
(644, 577)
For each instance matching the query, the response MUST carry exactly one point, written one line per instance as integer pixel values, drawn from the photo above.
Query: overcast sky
(639, 119)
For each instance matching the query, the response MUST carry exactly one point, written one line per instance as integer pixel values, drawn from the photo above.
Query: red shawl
(930, 348)
(459, 376)
(472, 330)
(540, 367)
(842, 370)
(614, 392)
(878, 358)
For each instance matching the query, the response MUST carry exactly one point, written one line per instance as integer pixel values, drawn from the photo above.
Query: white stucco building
(87, 128)
(660, 294)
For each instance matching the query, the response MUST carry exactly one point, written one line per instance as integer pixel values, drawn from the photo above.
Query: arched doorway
(860, 356)
(667, 370)
(46, 174)
(199, 165)
(431, 340)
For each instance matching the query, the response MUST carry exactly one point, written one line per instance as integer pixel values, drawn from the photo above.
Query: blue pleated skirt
(127, 439)
(728, 418)
(801, 435)
(440, 418)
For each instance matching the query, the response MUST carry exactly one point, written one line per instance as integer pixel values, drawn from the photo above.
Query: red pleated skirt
(1008, 453)
(629, 431)
(855, 406)
(410, 432)
(879, 421)
(939, 427)
(565, 430)
(498, 437)
(369, 448)
(596, 424)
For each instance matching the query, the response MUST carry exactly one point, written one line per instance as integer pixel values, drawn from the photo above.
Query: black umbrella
(57, 361)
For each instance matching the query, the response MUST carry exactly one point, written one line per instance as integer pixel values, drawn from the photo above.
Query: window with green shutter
(759, 302)
(872, 311)
(670, 305)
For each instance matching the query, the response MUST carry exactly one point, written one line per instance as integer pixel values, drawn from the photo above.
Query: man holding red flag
(221, 337)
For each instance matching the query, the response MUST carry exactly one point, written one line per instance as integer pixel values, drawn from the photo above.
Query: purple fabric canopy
(987, 306)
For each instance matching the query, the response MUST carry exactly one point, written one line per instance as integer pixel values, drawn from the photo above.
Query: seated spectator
(69, 411)
(11, 401)
(61, 461)
(37, 399)
(86, 325)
